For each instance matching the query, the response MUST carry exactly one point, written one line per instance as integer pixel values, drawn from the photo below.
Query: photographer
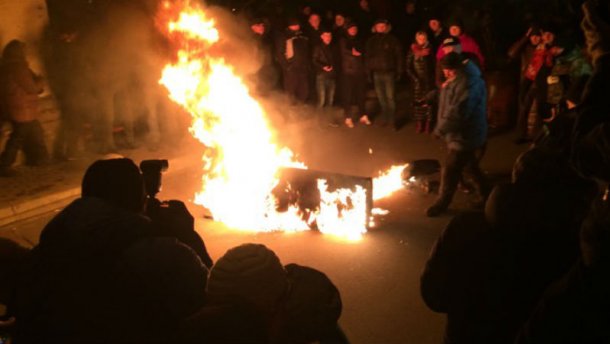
(100, 274)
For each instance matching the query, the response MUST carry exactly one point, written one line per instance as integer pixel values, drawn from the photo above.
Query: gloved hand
(596, 30)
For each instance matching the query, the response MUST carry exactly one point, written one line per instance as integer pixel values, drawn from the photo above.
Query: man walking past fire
(462, 123)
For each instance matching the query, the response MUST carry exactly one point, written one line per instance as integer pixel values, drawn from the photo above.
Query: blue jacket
(462, 112)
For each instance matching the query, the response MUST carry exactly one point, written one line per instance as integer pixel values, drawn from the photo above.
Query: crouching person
(19, 90)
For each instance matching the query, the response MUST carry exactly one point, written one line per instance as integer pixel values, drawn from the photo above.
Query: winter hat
(450, 41)
(313, 304)
(169, 277)
(116, 181)
(381, 21)
(455, 22)
(325, 29)
(293, 21)
(350, 23)
(257, 21)
(452, 60)
(251, 272)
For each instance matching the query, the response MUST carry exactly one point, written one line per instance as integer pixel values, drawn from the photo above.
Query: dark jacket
(323, 56)
(350, 64)
(300, 62)
(384, 54)
(99, 276)
(457, 280)
(522, 50)
(462, 112)
(421, 66)
(19, 86)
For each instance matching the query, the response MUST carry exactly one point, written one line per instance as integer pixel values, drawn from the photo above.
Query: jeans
(385, 88)
(325, 86)
(457, 163)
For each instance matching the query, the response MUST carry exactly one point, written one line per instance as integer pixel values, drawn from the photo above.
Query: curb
(18, 211)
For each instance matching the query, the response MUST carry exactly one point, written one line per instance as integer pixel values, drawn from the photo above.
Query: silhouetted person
(420, 67)
(100, 272)
(19, 90)
(293, 55)
(353, 76)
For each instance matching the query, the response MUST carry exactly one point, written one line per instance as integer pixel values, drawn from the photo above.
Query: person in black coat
(384, 62)
(421, 68)
(293, 55)
(324, 63)
(100, 272)
(353, 76)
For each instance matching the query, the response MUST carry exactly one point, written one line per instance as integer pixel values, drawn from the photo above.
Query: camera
(152, 171)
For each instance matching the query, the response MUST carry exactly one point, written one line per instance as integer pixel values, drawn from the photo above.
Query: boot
(438, 208)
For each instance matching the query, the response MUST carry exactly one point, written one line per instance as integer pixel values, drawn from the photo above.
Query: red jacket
(541, 56)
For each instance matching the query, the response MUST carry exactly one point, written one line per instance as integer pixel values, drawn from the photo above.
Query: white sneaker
(349, 123)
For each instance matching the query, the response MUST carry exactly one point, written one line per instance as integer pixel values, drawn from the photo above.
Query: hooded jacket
(462, 112)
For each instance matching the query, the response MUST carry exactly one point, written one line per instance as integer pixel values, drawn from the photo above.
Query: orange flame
(242, 161)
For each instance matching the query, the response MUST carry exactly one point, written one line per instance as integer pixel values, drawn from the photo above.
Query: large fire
(242, 160)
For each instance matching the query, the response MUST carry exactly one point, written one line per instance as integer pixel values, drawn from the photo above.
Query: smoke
(104, 59)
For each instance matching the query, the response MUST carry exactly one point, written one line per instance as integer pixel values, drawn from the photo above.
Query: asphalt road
(378, 277)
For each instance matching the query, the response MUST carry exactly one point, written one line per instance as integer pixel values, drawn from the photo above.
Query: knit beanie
(452, 60)
(116, 181)
(313, 306)
(251, 272)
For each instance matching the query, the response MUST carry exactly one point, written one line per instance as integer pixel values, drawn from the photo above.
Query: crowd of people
(527, 267)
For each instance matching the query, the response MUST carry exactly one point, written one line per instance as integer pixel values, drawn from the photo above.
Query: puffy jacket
(462, 113)
(19, 86)
(324, 55)
(469, 48)
(350, 64)
(384, 54)
(421, 66)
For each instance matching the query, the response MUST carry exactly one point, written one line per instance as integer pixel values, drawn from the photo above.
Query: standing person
(384, 63)
(536, 85)
(364, 17)
(19, 90)
(325, 67)
(469, 45)
(313, 29)
(267, 75)
(294, 57)
(462, 122)
(353, 76)
(437, 32)
(409, 21)
(420, 68)
(339, 25)
(524, 49)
